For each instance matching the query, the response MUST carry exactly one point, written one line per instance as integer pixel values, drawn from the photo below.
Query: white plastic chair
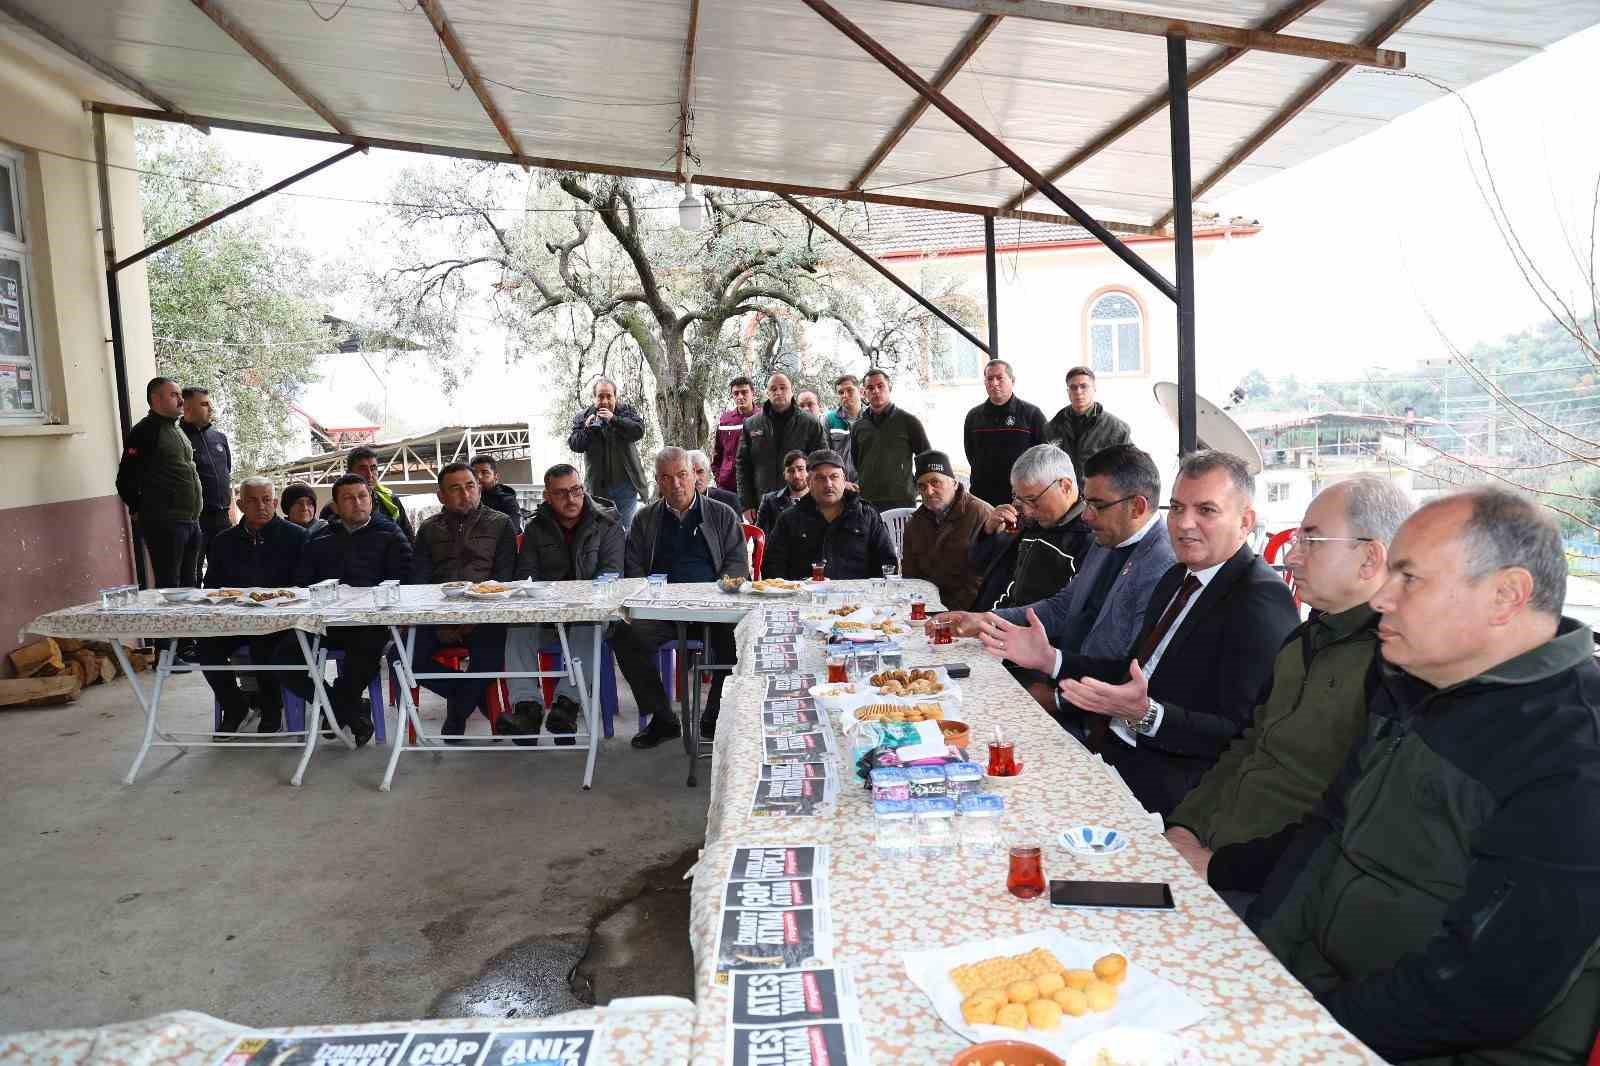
(895, 518)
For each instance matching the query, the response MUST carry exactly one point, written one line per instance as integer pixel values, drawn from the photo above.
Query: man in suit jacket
(1162, 713)
(1101, 612)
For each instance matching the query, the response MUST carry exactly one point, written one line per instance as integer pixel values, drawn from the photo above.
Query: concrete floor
(212, 884)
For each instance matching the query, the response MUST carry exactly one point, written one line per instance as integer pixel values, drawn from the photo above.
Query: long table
(881, 906)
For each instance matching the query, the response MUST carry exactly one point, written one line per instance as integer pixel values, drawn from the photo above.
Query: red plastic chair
(454, 657)
(755, 540)
(1278, 544)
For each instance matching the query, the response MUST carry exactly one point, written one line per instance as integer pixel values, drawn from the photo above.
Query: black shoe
(708, 725)
(453, 727)
(563, 720)
(361, 729)
(271, 722)
(663, 726)
(232, 719)
(526, 717)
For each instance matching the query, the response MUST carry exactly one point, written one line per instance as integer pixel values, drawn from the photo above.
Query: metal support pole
(1182, 236)
(994, 298)
(119, 354)
(218, 216)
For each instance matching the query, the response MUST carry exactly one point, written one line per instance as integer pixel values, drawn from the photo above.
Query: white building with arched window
(1065, 301)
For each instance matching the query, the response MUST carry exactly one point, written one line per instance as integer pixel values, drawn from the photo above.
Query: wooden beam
(952, 66)
(1300, 101)
(1100, 18)
(1157, 102)
(751, 184)
(243, 38)
(995, 145)
(889, 275)
(686, 87)
(469, 71)
(116, 74)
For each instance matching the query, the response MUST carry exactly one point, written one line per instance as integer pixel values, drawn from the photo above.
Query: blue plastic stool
(294, 708)
(667, 663)
(608, 681)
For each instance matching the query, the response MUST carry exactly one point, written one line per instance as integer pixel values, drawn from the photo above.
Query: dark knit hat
(825, 457)
(932, 462)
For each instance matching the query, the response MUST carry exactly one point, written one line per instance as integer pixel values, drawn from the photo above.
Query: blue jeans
(626, 499)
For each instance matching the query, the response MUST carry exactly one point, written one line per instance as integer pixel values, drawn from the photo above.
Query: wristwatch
(1147, 725)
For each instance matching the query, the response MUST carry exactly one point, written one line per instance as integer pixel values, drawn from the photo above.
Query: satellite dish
(1212, 426)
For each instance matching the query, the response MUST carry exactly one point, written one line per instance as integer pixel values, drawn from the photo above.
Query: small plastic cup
(658, 584)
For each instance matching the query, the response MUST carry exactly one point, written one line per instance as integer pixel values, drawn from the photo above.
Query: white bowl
(181, 595)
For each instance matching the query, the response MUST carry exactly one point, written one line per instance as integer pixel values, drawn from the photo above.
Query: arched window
(1116, 334)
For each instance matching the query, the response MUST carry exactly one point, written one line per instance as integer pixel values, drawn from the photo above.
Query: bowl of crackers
(1006, 1053)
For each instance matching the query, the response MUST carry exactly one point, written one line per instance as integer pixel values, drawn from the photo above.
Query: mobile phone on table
(1130, 895)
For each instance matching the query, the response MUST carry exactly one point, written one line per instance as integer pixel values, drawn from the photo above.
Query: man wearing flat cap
(832, 525)
(938, 532)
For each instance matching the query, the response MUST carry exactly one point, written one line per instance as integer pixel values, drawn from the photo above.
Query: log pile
(56, 670)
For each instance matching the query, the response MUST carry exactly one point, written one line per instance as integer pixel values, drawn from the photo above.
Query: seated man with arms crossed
(571, 537)
(262, 551)
(939, 530)
(832, 525)
(796, 483)
(1213, 626)
(466, 541)
(1102, 610)
(1316, 706)
(360, 549)
(688, 537)
(1440, 899)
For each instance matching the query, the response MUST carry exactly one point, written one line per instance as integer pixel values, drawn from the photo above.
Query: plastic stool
(550, 659)
(497, 700)
(667, 663)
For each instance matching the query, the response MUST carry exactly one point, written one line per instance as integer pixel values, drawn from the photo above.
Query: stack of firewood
(56, 670)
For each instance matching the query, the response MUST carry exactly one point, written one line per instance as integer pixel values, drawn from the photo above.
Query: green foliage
(237, 307)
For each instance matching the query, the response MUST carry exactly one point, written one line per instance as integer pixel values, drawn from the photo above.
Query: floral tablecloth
(552, 601)
(653, 1031)
(881, 906)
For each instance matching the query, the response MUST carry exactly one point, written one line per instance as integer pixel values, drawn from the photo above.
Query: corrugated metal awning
(778, 95)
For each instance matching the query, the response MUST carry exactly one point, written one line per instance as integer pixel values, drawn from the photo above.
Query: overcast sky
(1356, 245)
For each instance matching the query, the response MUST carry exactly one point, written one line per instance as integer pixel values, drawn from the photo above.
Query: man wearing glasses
(1030, 548)
(1317, 707)
(1102, 610)
(571, 537)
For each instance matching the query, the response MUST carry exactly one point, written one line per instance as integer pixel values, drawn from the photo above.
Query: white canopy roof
(780, 96)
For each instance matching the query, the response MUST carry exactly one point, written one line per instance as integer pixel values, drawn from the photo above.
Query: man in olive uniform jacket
(158, 482)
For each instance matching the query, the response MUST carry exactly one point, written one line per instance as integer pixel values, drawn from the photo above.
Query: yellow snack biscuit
(1044, 1014)
(1040, 961)
(990, 973)
(1022, 991)
(979, 1010)
(1101, 996)
(1111, 969)
(1012, 1016)
(1072, 1001)
(1079, 979)
(1049, 983)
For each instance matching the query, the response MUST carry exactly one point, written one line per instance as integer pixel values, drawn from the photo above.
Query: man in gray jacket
(690, 538)
(570, 537)
(1102, 610)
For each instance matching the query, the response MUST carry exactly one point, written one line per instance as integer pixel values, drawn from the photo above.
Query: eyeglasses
(1090, 504)
(1033, 501)
(574, 493)
(1301, 540)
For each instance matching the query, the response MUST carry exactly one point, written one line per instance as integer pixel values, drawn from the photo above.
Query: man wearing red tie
(1162, 715)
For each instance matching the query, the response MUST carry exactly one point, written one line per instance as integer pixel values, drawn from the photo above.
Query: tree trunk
(680, 401)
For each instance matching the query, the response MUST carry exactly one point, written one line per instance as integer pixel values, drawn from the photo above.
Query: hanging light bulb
(691, 211)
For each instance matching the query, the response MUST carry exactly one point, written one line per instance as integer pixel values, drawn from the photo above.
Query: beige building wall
(63, 528)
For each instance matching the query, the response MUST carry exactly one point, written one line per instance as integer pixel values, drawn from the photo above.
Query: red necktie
(1147, 647)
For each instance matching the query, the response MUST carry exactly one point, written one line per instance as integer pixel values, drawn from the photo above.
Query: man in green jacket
(1084, 427)
(1440, 899)
(1315, 707)
(883, 444)
(158, 482)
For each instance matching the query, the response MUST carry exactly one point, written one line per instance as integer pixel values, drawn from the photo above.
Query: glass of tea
(1002, 758)
(919, 609)
(838, 669)
(1025, 879)
(819, 570)
(943, 631)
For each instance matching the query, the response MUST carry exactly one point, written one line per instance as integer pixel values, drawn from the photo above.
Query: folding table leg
(588, 693)
(151, 704)
(321, 709)
(404, 645)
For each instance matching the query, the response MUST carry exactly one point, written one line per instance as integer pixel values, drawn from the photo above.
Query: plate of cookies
(1047, 988)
